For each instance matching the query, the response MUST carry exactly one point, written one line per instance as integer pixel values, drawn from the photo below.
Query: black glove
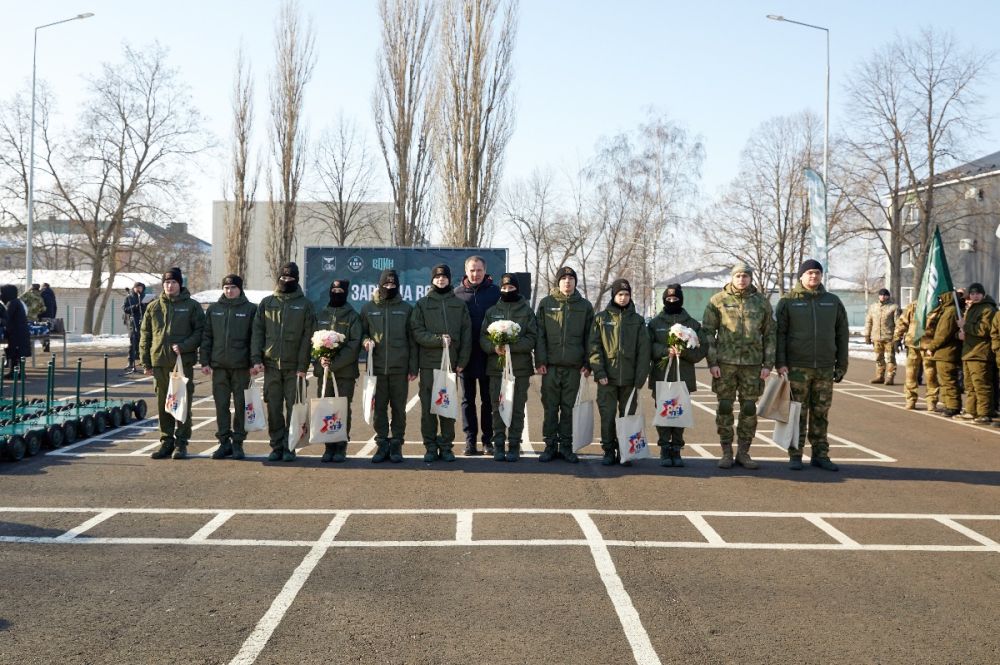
(838, 374)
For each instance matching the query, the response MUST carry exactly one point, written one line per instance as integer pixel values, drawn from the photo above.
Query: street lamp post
(826, 117)
(31, 159)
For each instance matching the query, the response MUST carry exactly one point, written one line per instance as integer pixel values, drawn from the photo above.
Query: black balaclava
(618, 286)
(339, 298)
(673, 307)
(441, 269)
(288, 270)
(509, 278)
(8, 292)
(388, 284)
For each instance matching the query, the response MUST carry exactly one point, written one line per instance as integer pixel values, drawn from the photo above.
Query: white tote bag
(786, 435)
(298, 421)
(328, 415)
(673, 403)
(368, 391)
(254, 418)
(631, 432)
(176, 401)
(506, 399)
(583, 417)
(444, 390)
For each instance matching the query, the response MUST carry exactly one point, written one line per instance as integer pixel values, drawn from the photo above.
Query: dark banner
(363, 265)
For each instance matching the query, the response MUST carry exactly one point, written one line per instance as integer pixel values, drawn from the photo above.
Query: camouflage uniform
(941, 344)
(906, 325)
(880, 323)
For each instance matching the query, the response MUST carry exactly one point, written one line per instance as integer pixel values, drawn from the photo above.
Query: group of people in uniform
(955, 355)
(563, 340)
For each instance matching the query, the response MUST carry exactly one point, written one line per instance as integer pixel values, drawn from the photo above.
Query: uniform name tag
(241, 316)
(180, 309)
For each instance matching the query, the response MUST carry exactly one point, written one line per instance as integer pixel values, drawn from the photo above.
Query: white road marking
(967, 532)
(212, 526)
(831, 531)
(463, 526)
(86, 526)
(710, 535)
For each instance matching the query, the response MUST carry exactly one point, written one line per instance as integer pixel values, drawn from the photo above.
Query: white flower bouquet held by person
(679, 338)
(503, 333)
(325, 343)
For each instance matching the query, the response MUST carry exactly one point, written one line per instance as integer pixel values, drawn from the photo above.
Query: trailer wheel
(14, 448)
(56, 437)
(32, 443)
(128, 413)
(116, 416)
(87, 427)
(140, 409)
(71, 431)
(101, 422)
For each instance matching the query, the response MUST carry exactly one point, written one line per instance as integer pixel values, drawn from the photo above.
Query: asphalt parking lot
(108, 556)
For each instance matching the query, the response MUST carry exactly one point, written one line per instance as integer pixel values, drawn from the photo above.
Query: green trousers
(611, 401)
(501, 433)
(390, 394)
(741, 381)
(279, 395)
(813, 388)
(170, 430)
(947, 376)
(559, 388)
(670, 437)
(229, 384)
(433, 428)
(915, 364)
(345, 388)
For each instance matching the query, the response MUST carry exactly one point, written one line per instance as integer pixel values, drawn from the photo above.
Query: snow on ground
(77, 341)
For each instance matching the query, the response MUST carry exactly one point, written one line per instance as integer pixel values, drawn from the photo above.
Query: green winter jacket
(520, 313)
(812, 329)
(282, 331)
(564, 324)
(347, 322)
(387, 323)
(995, 335)
(619, 347)
(978, 321)
(228, 333)
(739, 327)
(941, 334)
(659, 329)
(168, 321)
(438, 314)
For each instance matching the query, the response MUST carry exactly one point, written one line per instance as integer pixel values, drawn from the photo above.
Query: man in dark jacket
(225, 355)
(479, 293)
(134, 307)
(280, 347)
(172, 326)
(49, 298)
(812, 351)
(975, 336)
(17, 333)
(339, 316)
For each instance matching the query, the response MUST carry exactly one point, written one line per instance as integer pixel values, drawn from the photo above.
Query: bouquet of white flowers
(503, 333)
(325, 343)
(679, 338)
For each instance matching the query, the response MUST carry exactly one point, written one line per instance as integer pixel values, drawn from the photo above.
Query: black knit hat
(511, 279)
(441, 269)
(340, 284)
(884, 292)
(290, 269)
(809, 264)
(174, 274)
(233, 280)
(673, 290)
(620, 285)
(388, 273)
(566, 271)
(976, 287)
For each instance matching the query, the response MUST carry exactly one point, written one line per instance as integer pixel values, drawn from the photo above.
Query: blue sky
(584, 69)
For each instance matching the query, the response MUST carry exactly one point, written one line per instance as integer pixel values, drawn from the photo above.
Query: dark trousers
(228, 385)
(133, 346)
(470, 423)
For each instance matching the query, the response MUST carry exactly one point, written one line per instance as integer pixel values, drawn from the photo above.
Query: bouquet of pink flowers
(679, 338)
(325, 343)
(503, 333)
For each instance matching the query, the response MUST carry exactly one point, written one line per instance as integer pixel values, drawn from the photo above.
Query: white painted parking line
(212, 526)
(707, 532)
(463, 527)
(86, 526)
(831, 531)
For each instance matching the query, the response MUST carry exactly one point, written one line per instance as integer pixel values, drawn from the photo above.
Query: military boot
(824, 463)
(726, 461)
(890, 378)
(238, 450)
(445, 452)
(224, 450)
(549, 453)
(166, 448)
(488, 449)
(431, 453)
(743, 456)
(513, 452)
(795, 463)
(610, 457)
(181, 451)
(340, 453)
(566, 452)
(498, 452)
(395, 451)
(665, 457)
(879, 376)
(328, 450)
(675, 455)
(287, 455)
(911, 404)
(275, 455)
(381, 452)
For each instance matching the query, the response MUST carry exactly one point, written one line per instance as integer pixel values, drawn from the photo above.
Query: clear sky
(583, 69)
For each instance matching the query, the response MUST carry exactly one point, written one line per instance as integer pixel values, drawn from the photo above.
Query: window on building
(906, 257)
(906, 295)
(913, 214)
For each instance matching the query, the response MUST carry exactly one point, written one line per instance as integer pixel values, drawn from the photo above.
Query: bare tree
(241, 186)
(294, 62)
(347, 178)
(403, 106)
(477, 112)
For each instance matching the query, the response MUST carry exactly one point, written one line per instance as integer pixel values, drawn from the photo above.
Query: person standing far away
(916, 362)
(739, 326)
(562, 358)
(49, 311)
(172, 326)
(812, 352)
(975, 335)
(280, 347)
(385, 331)
(880, 324)
(134, 307)
(17, 333)
(339, 316)
(225, 355)
(619, 358)
(440, 324)
(479, 293)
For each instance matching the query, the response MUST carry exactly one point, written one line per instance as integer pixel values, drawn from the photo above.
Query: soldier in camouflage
(916, 363)
(975, 336)
(941, 344)
(811, 350)
(739, 327)
(880, 324)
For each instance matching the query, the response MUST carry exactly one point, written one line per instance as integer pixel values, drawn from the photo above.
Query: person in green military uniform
(339, 316)
(995, 347)
(33, 302)
(739, 326)
(440, 324)
(916, 362)
(811, 350)
(562, 359)
(172, 326)
(280, 347)
(880, 324)
(511, 307)
(665, 364)
(942, 345)
(225, 355)
(975, 336)
(619, 359)
(385, 329)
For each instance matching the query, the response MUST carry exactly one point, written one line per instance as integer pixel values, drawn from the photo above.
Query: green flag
(936, 280)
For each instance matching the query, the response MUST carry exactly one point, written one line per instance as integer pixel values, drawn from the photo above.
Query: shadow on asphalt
(25, 530)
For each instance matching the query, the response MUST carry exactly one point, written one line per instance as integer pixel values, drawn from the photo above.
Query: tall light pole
(31, 163)
(826, 117)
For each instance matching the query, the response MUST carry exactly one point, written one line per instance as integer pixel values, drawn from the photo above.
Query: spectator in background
(17, 334)
(49, 298)
(32, 300)
(134, 307)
